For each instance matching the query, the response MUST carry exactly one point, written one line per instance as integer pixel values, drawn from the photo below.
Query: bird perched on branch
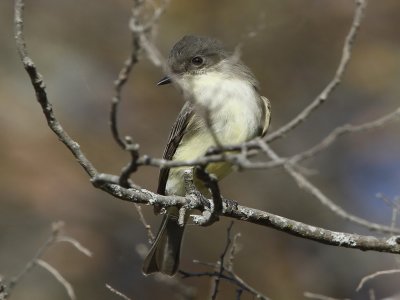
(223, 107)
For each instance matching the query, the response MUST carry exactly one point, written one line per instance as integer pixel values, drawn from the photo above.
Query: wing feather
(267, 113)
(177, 131)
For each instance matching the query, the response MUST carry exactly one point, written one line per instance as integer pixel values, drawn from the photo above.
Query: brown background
(79, 47)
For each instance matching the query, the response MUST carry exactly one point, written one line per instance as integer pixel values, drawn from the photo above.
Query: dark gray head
(193, 55)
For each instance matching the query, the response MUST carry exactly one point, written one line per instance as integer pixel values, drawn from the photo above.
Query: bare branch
(150, 234)
(185, 291)
(306, 185)
(118, 86)
(332, 85)
(223, 270)
(123, 77)
(365, 279)
(259, 217)
(317, 234)
(371, 293)
(54, 238)
(346, 129)
(325, 143)
(53, 271)
(78, 246)
(143, 31)
(142, 196)
(309, 295)
(232, 252)
(41, 95)
(221, 263)
(241, 159)
(116, 292)
(56, 228)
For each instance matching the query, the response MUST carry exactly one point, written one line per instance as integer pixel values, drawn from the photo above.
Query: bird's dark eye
(197, 60)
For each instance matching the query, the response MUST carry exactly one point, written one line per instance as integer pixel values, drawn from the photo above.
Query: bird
(215, 81)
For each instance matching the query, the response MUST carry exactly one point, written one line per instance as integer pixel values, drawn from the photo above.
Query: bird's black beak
(165, 80)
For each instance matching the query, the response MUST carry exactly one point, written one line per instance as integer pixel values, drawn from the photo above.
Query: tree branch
(53, 271)
(141, 196)
(223, 269)
(116, 292)
(55, 237)
(365, 279)
(259, 217)
(333, 84)
(314, 296)
(41, 95)
(306, 185)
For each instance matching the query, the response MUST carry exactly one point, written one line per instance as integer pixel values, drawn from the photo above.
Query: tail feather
(164, 254)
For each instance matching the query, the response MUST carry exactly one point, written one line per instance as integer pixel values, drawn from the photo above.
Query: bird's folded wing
(267, 113)
(175, 137)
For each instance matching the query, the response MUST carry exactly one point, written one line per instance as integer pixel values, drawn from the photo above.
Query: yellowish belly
(232, 124)
(195, 147)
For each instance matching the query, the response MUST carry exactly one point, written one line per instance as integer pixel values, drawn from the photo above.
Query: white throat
(216, 89)
(233, 104)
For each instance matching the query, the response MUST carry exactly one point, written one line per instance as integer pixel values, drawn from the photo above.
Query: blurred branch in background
(123, 76)
(314, 296)
(116, 292)
(142, 29)
(362, 283)
(306, 185)
(137, 195)
(333, 84)
(223, 270)
(56, 236)
(375, 275)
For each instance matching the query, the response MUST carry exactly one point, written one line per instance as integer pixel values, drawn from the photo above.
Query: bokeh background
(79, 47)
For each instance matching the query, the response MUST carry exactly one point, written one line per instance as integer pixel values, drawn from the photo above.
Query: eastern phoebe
(216, 81)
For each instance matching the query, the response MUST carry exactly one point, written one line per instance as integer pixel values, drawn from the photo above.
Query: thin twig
(333, 84)
(240, 159)
(309, 295)
(224, 270)
(54, 238)
(56, 229)
(186, 292)
(53, 271)
(346, 129)
(306, 185)
(78, 246)
(371, 294)
(146, 225)
(232, 252)
(142, 196)
(365, 279)
(41, 95)
(116, 292)
(221, 263)
(119, 84)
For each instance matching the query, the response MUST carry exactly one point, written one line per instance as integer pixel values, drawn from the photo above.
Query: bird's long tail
(164, 253)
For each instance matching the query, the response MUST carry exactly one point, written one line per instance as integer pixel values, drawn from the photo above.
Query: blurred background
(79, 51)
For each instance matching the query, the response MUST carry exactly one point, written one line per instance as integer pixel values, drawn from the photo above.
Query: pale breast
(236, 116)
